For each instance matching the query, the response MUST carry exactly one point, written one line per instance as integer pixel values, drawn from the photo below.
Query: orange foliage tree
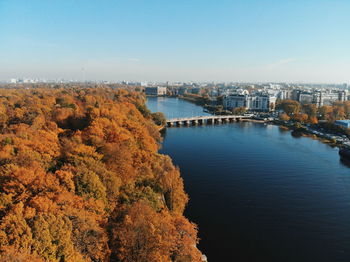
(81, 180)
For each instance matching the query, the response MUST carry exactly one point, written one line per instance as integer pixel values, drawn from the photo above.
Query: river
(257, 193)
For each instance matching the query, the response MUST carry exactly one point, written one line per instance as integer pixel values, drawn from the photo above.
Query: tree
(326, 112)
(302, 118)
(290, 107)
(310, 110)
(81, 177)
(141, 234)
(219, 109)
(284, 117)
(239, 110)
(159, 118)
(338, 112)
(313, 120)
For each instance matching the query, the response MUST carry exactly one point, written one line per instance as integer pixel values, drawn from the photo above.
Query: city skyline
(238, 41)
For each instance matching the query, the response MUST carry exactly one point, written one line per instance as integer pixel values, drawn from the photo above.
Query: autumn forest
(82, 180)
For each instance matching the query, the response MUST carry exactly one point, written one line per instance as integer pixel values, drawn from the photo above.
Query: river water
(257, 193)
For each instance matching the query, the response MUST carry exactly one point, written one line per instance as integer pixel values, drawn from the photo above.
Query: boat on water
(344, 152)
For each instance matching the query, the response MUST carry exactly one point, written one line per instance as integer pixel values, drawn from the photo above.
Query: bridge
(206, 120)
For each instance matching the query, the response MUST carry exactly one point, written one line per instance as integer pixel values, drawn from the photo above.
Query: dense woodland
(81, 180)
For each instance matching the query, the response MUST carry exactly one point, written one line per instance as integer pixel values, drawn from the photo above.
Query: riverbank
(297, 131)
(160, 128)
(206, 103)
(305, 132)
(196, 99)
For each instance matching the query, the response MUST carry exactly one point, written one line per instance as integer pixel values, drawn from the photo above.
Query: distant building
(156, 91)
(327, 98)
(319, 97)
(234, 101)
(343, 123)
(284, 94)
(306, 98)
(295, 94)
(214, 93)
(254, 102)
(343, 96)
(195, 90)
(182, 91)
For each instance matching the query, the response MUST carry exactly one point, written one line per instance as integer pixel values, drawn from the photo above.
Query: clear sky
(176, 40)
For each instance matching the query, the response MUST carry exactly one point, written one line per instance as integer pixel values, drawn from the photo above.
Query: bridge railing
(208, 118)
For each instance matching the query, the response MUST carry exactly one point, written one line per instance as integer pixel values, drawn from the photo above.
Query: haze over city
(289, 41)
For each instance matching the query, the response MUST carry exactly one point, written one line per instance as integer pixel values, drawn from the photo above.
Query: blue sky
(182, 40)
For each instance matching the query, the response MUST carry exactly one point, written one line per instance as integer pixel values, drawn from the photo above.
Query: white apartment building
(253, 102)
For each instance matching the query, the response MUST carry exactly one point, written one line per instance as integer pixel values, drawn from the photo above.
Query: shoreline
(305, 133)
(297, 132)
(162, 127)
